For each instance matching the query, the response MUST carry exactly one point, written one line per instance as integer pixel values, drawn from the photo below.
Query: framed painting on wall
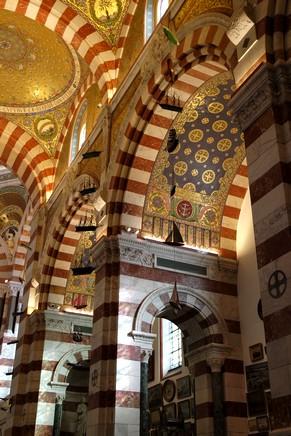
(155, 416)
(184, 409)
(257, 376)
(170, 411)
(155, 396)
(184, 387)
(256, 403)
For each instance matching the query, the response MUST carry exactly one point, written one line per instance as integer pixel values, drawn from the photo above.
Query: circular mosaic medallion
(212, 91)
(219, 125)
(46, 128)
(201, 155)
(210, 140)
(195, 135)
(208, 176)
(193, 116)
(184, 209)
(189, 187)
(180, 168)
(224, 144)
(187, 151)
(208, 215)
(157, 203)
(194, 172)
(106, 11)
(215, 107)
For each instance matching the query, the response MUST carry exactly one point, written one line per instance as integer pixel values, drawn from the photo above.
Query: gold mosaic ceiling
(202, 167)
(39, 78)
(37, 69)
(105, 15)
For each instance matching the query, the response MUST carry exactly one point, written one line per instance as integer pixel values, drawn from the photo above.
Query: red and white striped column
(263, 108)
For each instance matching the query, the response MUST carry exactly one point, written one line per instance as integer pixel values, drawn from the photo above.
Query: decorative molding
(60, 322)
(129, 248)
(265, 87)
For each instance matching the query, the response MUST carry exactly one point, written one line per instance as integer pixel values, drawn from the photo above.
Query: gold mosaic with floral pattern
(210, 150)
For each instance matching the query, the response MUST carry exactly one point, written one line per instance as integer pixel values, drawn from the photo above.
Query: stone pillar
(58, 415)
(205, 366)
(144, 400)
(15, 296)
(215, 364)
(262, 107)
(145, 342)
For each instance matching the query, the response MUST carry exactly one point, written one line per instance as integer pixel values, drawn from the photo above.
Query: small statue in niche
(81, 419)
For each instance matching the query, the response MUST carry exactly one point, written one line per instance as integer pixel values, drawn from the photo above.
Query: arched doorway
(76, 400)
(205, 348)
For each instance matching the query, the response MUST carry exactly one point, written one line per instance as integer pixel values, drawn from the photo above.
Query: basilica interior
(144, 217)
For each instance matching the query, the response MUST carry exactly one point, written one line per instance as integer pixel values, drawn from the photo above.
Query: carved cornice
(267, 86)
(58, 321)
(128, 248)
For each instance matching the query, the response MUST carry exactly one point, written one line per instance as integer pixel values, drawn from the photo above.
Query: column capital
(213, 354)
(14, 288)
(145, 342)
(60, 399)
(215, 363)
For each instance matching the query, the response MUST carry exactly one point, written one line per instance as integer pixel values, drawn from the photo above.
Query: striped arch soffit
(60, 248)
(76, 31)
(200, 56)
(25, 248)
(231, 212)
(213, 326)
(74, 356)
(24, 156)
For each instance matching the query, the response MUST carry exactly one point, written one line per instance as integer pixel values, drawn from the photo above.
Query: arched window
(161, 8)
(79, 130)
(172, 346)
(154, 11)
(149, 19)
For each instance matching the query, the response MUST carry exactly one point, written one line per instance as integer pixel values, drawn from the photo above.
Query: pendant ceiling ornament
(105, 15)
(203, 165)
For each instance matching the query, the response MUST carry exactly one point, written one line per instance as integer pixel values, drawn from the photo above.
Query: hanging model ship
(85, 267)
(88, 188)
(87, 224)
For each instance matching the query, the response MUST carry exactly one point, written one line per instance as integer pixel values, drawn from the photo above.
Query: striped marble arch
(61, 247)
(157, 302)
(24, 156)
